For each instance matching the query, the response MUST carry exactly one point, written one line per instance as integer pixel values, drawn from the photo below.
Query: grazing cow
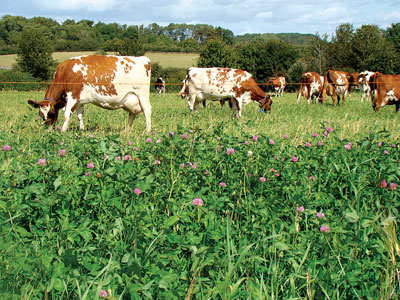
(353, 81)
(363, 84)
(386, 89)
(185, 92)
(160, 86)
(340, 85)
(106, 81)
(278, 84)
(222, 83)
(311, 84)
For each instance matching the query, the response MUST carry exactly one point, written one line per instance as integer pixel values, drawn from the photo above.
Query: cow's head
(48, 110)
(266, 103)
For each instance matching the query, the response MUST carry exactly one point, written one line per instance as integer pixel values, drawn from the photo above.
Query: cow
(223, 83)
(160, 86)
(311, 84)
(363, 84)
(278, 84)
(107, 81)
(386, 89)
(340, 85)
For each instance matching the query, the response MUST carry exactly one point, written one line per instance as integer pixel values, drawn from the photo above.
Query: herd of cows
(113, 82)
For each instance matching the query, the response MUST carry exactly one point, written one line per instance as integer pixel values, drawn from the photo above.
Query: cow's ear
(59, 105)
(33, 103)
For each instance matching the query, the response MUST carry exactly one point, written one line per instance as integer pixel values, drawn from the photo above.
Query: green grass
(78, 224)
(177, 60)
(299, 121)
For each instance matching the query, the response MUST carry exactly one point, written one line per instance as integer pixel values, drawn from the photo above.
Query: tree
(372, 51)
(318, 49)
(265, 59)
(34, 52)
(393, 36)
(129, 47)
(217, 54)
(341, 54)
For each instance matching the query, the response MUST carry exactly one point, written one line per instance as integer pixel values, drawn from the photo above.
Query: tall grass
(110, 209)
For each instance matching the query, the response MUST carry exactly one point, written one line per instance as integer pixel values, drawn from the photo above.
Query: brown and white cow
(340, 85)
(278, 84)
(107, 81)
(159, 85)
(223, 83)
(311, 84)
(363, 84)
(386, 89)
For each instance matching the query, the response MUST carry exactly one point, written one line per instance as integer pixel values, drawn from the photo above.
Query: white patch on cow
(44, 109)
(80, 68)
(390, 96)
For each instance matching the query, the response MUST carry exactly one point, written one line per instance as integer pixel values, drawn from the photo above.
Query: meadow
(166, 60)
(299, 203)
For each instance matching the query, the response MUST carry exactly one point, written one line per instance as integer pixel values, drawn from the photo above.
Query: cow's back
(216, 82)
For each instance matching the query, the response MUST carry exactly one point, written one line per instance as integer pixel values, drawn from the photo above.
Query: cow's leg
(191, 101)
(334, 97)
(299, 95)
(196, 105)
(80, 112)
(144, 101)
(131, 118)
(71, 102)
(237, 107)
(309, 95)
(397, 106)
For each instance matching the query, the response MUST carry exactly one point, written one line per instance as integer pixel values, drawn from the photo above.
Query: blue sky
(239, 16)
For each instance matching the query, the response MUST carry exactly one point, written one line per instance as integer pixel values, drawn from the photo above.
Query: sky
(239, 16)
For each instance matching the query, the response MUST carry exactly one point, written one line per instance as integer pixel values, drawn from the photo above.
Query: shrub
(16, 80)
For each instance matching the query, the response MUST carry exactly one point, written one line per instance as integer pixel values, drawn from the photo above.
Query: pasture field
(176, 60)
(299, 203)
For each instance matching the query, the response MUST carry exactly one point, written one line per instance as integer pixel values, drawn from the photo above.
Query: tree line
(264, 55)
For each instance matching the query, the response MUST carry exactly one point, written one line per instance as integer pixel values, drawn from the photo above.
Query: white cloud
(239, 16)
(75, 5)
(264, 15)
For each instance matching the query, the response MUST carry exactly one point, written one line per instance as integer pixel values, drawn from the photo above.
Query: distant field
(179, 60)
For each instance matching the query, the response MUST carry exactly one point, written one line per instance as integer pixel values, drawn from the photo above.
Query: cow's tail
(185, 82)
(374, 89)
(325, 87)
(300, 89)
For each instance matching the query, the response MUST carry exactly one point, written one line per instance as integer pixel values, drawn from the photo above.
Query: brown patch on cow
(148, 69)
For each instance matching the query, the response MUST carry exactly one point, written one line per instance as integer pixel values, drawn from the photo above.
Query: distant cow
(363, 84)
(110, 82)
(223, 83)
(340, 85)
(311, 84)
(160, 86)
(386, 89)
(278, 84)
